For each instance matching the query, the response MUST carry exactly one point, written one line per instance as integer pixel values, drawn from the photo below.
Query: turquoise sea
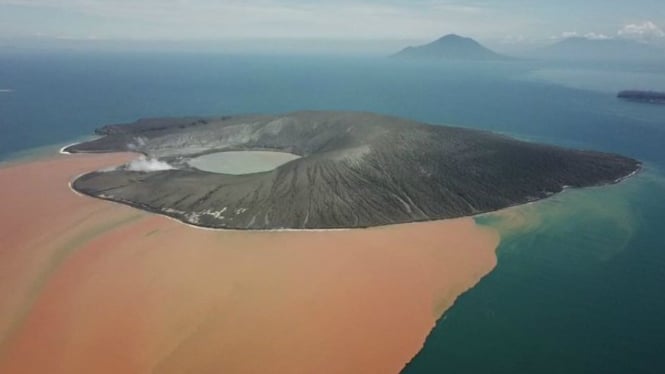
(580, 284)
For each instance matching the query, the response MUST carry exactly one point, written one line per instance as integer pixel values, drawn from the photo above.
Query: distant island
(643, 96)
(345, 170)
(451, 47)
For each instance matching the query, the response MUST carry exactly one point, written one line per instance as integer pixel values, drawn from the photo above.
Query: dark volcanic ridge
(356, 170)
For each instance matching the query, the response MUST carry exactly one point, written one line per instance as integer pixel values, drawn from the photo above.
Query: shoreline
(38, 152)
(638, 170)
(62, 149)
(221, 229)
(87, 138)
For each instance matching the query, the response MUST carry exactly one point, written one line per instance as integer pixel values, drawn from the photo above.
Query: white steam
(136, 144)
(148, 164)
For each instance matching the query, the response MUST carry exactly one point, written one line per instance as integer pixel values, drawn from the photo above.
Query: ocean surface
(580, 283)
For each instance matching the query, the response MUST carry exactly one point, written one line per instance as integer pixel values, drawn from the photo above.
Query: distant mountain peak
(450, 47)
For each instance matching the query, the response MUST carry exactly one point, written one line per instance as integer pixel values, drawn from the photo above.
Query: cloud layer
(644, 30)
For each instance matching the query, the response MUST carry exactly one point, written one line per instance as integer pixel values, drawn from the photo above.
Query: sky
(347, 22)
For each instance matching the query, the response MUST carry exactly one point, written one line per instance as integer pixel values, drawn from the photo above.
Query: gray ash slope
(356, 170)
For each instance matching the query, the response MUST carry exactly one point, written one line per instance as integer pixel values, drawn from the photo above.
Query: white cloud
(596, 36)
(144, 164)
(646, 30)
(575, 34)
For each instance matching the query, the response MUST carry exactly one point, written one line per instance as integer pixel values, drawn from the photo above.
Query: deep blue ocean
(580, 284)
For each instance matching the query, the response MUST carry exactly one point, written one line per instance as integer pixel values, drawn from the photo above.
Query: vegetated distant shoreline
(397, 178)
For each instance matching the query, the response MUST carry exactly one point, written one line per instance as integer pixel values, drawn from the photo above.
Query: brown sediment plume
(91, 286)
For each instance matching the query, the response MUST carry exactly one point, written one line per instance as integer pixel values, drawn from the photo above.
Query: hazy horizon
(347, 26)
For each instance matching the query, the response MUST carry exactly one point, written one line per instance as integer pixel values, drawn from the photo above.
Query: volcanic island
(331, 170)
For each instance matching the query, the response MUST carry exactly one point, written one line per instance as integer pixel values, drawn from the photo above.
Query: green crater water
(241, 162)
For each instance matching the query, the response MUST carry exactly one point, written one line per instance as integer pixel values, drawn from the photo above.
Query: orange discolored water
(88, 286)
